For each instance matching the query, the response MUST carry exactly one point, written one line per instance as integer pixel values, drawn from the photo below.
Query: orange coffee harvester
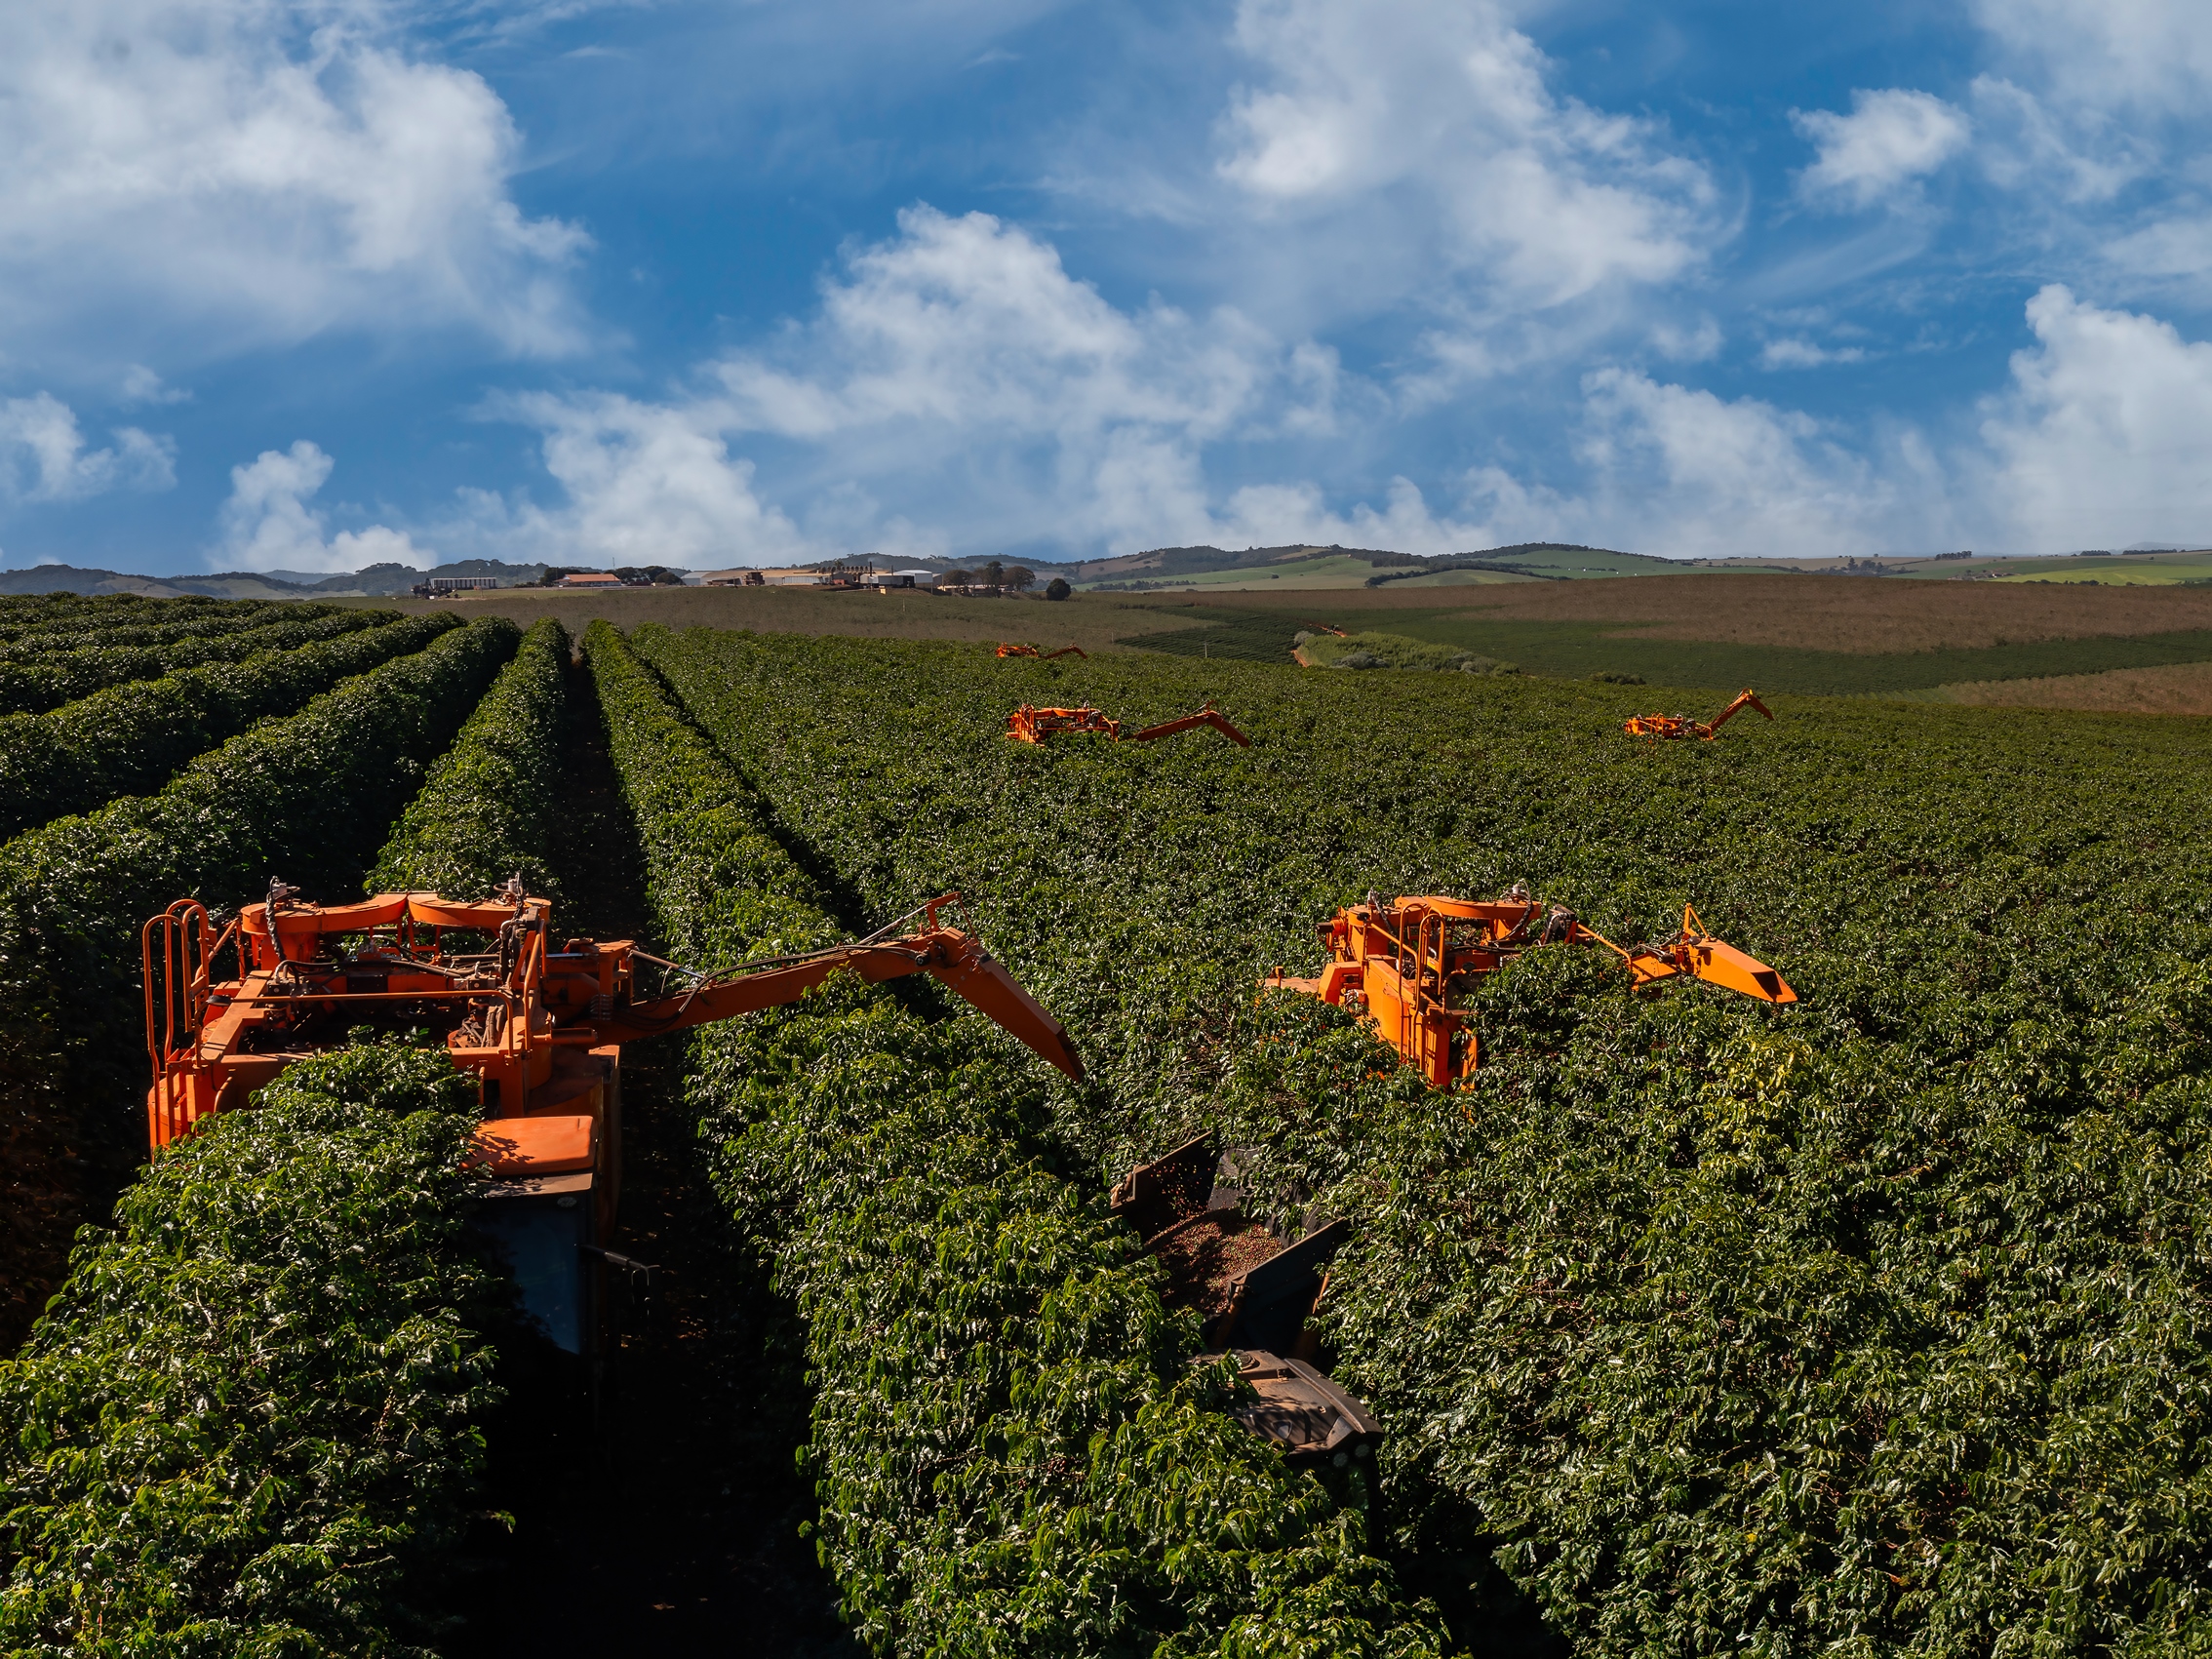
(1683, 726)
(1029, 724)
(539, 1021)
(1407, 966)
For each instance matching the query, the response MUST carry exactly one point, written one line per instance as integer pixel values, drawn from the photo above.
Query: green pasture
(1576, 651)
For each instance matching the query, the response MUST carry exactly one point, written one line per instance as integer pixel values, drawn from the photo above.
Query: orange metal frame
(1030, 723)
(1404, 965)
(523, 1002)
(1681, 726)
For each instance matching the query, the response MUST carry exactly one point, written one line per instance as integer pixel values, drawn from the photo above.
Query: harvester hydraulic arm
(1030, 723)
(1681, 726)
(1695, 952)
(957, 959)
(1042, 655)
(518, 1011)
(1207, 716)
(1746, 698)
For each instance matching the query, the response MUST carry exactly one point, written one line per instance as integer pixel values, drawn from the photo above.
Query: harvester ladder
(177, 952)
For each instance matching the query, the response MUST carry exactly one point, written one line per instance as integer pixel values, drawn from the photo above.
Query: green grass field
(1334, 570)
(1576, 651)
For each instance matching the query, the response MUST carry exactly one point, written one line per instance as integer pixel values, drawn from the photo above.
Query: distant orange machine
(1681, 726)
(1404, 967)
(1042, 655)
(1030, 723)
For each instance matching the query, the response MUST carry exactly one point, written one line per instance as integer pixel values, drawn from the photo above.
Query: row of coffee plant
(250, 1423)
(164, 625)
(492, 806)
(254, 1420)
(1013, 1450)
(309, 799)
(34, 612)
(45, 680)
(1867, 1323)
(131, 737)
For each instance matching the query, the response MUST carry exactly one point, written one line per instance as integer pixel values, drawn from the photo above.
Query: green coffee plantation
(1870, 1324)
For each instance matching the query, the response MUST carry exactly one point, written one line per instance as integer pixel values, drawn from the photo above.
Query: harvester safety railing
(176, 961)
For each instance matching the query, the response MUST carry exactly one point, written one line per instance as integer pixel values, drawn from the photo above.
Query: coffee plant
(149, 627)
(1870, 1324)
(492, 804)
(247, 1425)
(1013, 1450)
(39, 680)
(310, 799)
(130, 738)
(254, 1413)
(30, 613)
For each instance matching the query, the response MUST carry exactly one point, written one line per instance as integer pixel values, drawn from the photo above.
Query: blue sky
(306, 287)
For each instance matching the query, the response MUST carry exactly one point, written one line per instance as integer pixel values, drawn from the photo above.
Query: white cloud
(266, 524)
(1890, 139)
(958, 373)
(961, 356)
(645, 484)
(43, 456)
(973, 320)
(2098, 442)
(2113, 54)
(2071, 155)
(245, 173)
(1689, 345)
(1664, 469)
(141, 385)
(956, 368)
(1276, 515)
(1681, 471)
(1792, 352)
(1425, 128)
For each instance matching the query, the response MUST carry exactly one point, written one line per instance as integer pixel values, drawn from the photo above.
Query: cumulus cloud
(267, 524)
(959, 356)
(1703, 474)
(44, 458)
(644, 483)
(957, 365)
(2153, 54)
(2098, 441)
(1428, 124)
(246, 172)
(958, 372)
(1890, 139)
(972, 319)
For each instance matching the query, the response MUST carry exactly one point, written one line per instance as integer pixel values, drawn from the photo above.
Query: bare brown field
(2182, 687)
(1090, 620)
(1808, 612)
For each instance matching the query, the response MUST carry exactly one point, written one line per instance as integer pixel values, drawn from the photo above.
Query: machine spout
(1699, 954)
(975, 975)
